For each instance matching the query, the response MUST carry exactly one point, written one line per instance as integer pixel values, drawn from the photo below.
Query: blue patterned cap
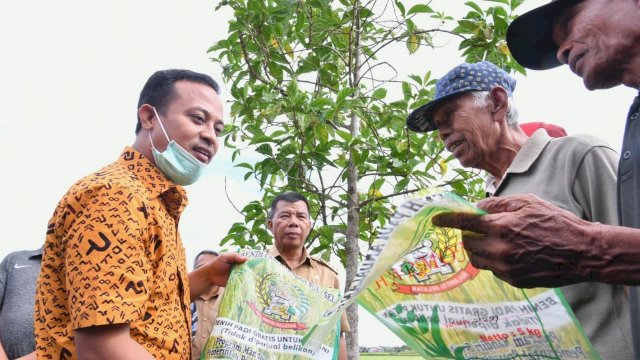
(482, 76)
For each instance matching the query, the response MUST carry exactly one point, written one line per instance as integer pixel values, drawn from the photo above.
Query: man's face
(598, 40)
(193, 119)
(468, 130)
(290, 225)
(204, 259)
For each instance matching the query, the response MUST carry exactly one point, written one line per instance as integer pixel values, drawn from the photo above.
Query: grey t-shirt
(578, 173)
(18, 276)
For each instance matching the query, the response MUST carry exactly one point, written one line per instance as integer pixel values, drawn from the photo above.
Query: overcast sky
(71, 74)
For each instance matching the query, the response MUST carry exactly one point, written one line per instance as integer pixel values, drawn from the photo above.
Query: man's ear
(270, 225)
(146, 116)
(499, 102)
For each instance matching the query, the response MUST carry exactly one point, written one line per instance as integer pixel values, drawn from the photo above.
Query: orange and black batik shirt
(113, 255)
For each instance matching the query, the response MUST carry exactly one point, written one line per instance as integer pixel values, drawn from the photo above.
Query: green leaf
(344, 135)
(423, 324)
(376, 184)
(474, 6)
(516, 3)
(420, 8)
(401, 185)
(326, 232)
(292, 88)
(413, 43)
(411, 26)
(343, 93)
(459, 352)
(265, 149)
(411, 316)
(321, 102)
(244, 165)
(254, 6)
(506, 2)
(321, 133)
(379, 94)
(416, 78)
(400, 7)
(399, 309)
(406, 90)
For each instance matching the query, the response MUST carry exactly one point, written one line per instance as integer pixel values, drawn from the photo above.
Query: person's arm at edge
(3, 354)
(108, 342)
(3, 280)
(213, 273)
(618, 251)
(29, 356)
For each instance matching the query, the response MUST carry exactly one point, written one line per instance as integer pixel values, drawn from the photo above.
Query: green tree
(317, 93)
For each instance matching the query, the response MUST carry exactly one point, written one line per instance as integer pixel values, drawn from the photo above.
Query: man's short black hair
(290, 197)
(158, 91)
(203, 252)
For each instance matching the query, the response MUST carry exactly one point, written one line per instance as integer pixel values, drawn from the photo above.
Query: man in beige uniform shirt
(204, 308)
(290, 224)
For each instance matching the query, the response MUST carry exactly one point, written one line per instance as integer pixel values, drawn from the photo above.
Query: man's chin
(598, 83)
(291, 242)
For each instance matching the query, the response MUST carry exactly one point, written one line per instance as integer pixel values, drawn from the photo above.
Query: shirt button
(204, 336)
(627, 154)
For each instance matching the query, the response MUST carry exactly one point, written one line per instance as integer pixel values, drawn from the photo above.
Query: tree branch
(226, 193)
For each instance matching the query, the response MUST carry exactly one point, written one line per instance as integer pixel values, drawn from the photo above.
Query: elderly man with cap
(474, 115)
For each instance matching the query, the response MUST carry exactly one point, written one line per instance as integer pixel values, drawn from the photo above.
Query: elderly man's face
(290, 225)
(468, 130)
(598, 39)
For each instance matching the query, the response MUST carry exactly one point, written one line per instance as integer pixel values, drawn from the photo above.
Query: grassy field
(389, 356)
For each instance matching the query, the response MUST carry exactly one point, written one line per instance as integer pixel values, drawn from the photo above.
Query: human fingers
(503, 271)
(232, 258)
(473, 242)
(220, 267)
(459, 220)
(506, 203)
(526, 273)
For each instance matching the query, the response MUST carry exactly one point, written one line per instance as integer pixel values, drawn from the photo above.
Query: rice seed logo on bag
(281, 305)
(438, 264)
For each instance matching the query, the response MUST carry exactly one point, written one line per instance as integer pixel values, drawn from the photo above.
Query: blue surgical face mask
(176, 163)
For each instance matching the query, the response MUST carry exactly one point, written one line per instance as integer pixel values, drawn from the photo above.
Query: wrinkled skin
(598, 40)
(529, 242)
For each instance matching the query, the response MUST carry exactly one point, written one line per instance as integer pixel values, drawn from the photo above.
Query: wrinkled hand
(527, 241)
(219, 268)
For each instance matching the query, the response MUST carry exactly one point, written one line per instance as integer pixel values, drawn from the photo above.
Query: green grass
(389, 356)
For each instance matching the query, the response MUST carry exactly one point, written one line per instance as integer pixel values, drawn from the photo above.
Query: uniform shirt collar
(273, 251)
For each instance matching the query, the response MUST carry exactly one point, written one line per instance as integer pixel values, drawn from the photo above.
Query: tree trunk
(353, 203)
